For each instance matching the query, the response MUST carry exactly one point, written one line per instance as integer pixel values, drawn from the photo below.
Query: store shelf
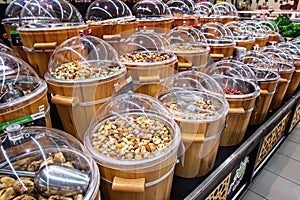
(237, 166)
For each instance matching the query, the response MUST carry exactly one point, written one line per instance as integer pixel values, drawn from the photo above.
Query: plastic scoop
(55, 179)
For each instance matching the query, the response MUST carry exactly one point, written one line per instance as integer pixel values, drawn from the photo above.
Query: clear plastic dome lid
(12, 13)
(108, 10)
(8, 50)
(270, 27)
(19, 82)
(84, 59)
(146, 47)
(291, 48)
(45, 150)
(193, 95)
(151, 10)
(131, 117)
(217, 34)
(257, 29)
(39, 14)
(204, 8)
(181, 7)
(264, 68)
(239, 31)
(225, 9)
(236, 78)
(187, 39)
(283, 58)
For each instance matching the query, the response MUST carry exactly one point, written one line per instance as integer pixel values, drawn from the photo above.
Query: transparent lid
(256, 28)
(193, 96)
(217, 34)
(283, 58)
(269, 26)
(39, 14)
(204, 8)
(14, 8)
(187, 39)
(132, 117)
(108, 10)
(225, 9)
(264, 68)
(8, 50)
(151, 10)
(181, 7)
(35, 148)
(239, 31)
(291, 48)
(236, 78)
(84, 59)
(19, 82)
(146, 47)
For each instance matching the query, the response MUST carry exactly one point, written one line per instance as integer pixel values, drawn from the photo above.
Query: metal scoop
(55, 179)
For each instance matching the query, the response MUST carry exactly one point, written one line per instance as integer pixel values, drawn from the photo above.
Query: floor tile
(250, 195)
(295, 134)
(285, 167)
(274, 187)
(290, 149)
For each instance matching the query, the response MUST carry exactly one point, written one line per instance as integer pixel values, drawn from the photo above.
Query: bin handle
(154, 78)
(128, 185)
(63, 100)
(45, 45)
(192, 137)
(185, 65)
(297, 70)
(283, 80)
(112, 37)
(5, 36)
(239, 110)
(264, 92)
(217, 55)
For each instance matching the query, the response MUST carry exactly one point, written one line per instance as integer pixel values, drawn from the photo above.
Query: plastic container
(219, 39)
(183, 12)
(241, 91)
(155, 15)
(267, 76)
(198, 105)
(44, 26)
(8, 50)
(286, 68)
(226, 12)
(138, 160)
(190, 47)
(294, 51)
(10, 23)
(23, 95)
(241, 36)
(28, 149)
(259, 33)
(272, 30)
(110, 19)
(81, 76)
(149, 61)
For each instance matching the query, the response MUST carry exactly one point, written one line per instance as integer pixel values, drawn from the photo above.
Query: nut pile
(11, 188)
(131, 137)
(145, 57)
(198, 106)
(78, 71)
(233, 91)
(186, 48)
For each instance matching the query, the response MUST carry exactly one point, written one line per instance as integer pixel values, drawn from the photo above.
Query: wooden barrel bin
(221, 48)
(295, 80)
(39, 43)
(267, 90)
(77, 102)
(248, 44)
(148, 77)
(260, 41)
(133, 177)
(240, 110)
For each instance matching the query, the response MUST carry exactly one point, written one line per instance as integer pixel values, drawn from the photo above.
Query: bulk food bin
(226, 12)
(259, 33)
(44, 26)
(294, 51)
(10, 23)
(219, 39)
(190, 47)
(81, 76)
(241, 90)
(267, 76)
(204, 10)
(286, 68)
(242, 36)
(110, 19)
(198, 105)
(135, 141)
(272, 30)
(155, 15)
(39, 148)
(183, 11)
(149, 60)
(23, 95)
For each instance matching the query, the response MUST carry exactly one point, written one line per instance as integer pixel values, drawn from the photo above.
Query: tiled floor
(280, 178)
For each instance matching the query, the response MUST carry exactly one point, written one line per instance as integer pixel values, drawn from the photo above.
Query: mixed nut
(187, 48)
(233, 91)
(144, 57)
(77, 71)
(24, 188)
(131, 137)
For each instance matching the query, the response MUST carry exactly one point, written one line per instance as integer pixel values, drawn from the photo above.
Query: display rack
(236, 167)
